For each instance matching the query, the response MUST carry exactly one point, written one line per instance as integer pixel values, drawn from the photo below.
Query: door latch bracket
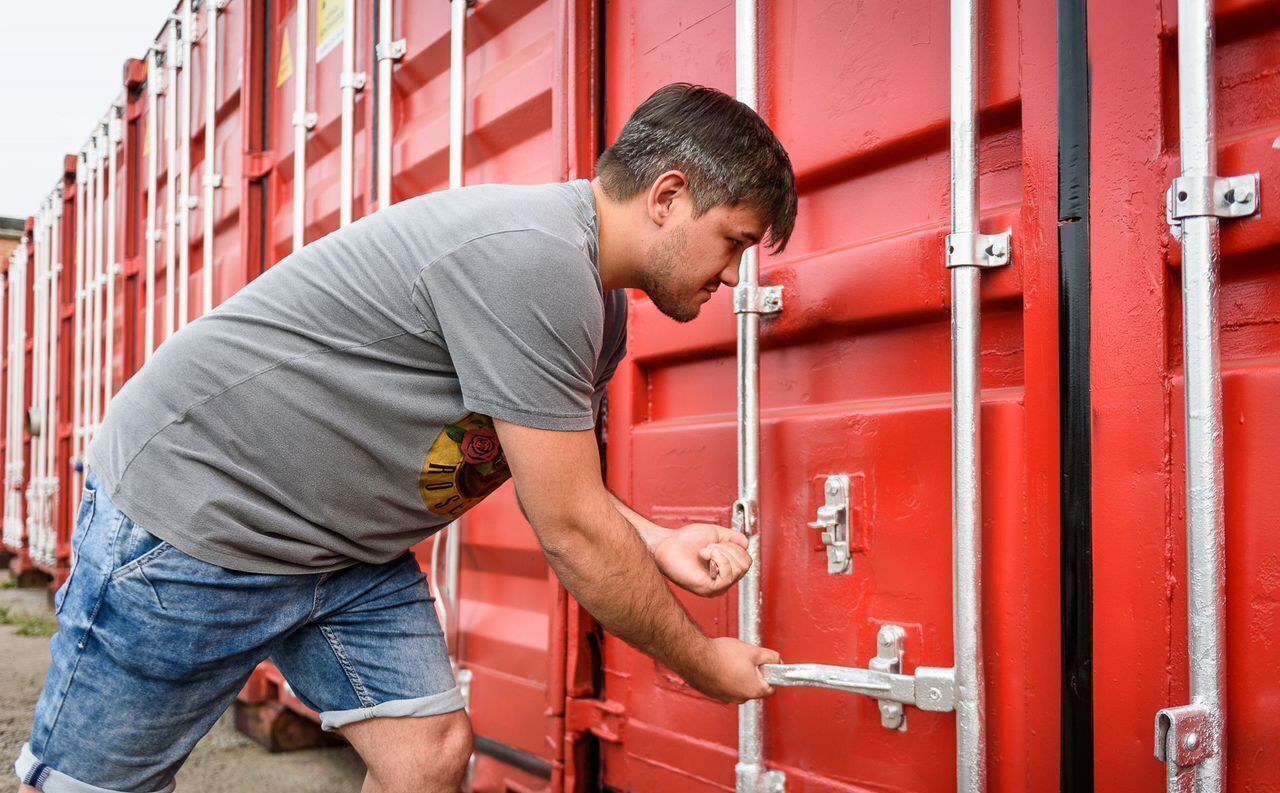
(833, 522)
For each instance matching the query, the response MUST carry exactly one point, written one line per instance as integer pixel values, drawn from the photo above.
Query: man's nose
(729, 276)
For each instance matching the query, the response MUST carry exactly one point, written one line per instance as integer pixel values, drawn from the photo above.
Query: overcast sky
(61, 67)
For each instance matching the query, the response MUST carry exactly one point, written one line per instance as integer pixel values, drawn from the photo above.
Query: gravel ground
(224, 761)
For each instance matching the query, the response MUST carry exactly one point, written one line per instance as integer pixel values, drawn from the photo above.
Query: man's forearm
(650, 532)
(604, 564)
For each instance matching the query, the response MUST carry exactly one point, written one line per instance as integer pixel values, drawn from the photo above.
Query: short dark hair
(726, 150)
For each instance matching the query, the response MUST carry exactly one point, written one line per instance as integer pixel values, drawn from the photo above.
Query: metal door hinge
(833, 522)
(391, 52)
(752, 299)
(307, 120)
(930, 688)
(1211, 196)
(355, 80)
(213, 180)
(603, 718)
(1185, 737)
(979, 250)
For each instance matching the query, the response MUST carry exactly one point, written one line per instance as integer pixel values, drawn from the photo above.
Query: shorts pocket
(135, 548)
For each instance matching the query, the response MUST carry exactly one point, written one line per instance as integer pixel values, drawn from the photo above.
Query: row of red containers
(187, 191)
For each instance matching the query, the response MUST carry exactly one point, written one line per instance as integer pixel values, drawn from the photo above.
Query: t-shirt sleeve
(522, 316)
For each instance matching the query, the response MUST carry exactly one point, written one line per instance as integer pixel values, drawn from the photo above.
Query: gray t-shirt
(339, 408)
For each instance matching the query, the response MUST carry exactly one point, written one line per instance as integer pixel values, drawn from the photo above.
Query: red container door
(1140, 630)
(855, 379)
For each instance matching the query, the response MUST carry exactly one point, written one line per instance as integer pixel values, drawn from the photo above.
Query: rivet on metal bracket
(1203, 196)
(1187, 735)
(354, 80)
(393, 52)
(889, 652)
(979, 250)
(751, 299)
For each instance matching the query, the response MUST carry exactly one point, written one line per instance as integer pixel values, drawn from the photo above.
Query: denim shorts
(153, 646)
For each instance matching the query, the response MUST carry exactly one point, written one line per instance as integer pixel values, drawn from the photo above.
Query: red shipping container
(201, 176)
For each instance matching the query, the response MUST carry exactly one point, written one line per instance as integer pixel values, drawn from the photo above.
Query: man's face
(695, 256)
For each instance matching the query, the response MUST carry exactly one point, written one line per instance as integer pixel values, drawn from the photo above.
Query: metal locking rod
(979, 251)
(751, 774)
(1190, 739)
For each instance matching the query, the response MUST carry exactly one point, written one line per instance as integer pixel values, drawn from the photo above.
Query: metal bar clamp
(392, 51)
(1211, 196)
(753, 299)
(979, 250)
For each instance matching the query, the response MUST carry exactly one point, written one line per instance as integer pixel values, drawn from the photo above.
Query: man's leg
(413, 755)
(153, 646)
(373, 662)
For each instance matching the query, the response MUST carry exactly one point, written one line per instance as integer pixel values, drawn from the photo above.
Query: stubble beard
(659, 281)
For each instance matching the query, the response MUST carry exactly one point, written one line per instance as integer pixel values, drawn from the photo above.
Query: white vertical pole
(302, 121)
(351, 81)
(185, 198)
(212, 179)
(171, 167)
(55, 320)
(155, 86)
(7, 309)
(388, 52)
(113, 267)
(35, 528)
(77, 341)
(98, 280)
(17, 377)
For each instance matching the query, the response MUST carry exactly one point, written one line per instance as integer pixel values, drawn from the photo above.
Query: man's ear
(663, 194)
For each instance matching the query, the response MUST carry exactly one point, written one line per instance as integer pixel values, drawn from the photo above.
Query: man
(256, 486)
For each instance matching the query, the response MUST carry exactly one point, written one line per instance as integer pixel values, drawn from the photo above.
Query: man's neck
(616, 264)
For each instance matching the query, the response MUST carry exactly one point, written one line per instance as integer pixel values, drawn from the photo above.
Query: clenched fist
(702, 558)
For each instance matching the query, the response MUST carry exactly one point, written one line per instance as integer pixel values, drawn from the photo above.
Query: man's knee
(456, 745)
(414, 755)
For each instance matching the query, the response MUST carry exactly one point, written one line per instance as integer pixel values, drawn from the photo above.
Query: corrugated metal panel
(855, 379)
